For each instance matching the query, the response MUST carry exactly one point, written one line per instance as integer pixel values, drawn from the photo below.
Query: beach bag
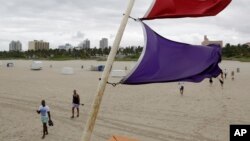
(51, 123)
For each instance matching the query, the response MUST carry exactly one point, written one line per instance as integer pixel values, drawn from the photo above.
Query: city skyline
(14, 45)
(60, 22)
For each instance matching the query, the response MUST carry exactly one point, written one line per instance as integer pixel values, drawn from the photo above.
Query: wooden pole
(105, 75)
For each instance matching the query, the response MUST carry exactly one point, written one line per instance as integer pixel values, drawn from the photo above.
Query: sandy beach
(152, 112)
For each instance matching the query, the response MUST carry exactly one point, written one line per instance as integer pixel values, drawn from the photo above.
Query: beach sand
(153, 112)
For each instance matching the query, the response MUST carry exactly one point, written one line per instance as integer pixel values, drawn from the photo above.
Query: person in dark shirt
(181, 87)
(75, 103)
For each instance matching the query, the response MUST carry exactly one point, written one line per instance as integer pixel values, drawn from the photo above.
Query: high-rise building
(66, 46)
(104, 43)
(208, 42)
(84, 44)
(38, 45)
(87, 43)
(15, 46)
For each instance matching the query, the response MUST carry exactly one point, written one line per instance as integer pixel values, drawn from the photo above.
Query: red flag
(185, 8)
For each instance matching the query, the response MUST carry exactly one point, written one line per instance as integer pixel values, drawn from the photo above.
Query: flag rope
(133, 18)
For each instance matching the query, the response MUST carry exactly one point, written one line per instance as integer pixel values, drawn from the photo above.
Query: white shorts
(75, 105)
(44, 119)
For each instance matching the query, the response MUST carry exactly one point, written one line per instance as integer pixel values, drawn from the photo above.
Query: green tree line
(236, 51)
(229, 51)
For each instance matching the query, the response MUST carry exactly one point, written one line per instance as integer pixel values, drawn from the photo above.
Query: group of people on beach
(45, 114)
(221, 79)
(223, 76)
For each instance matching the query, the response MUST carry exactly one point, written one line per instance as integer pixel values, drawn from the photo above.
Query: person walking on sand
(221, 79)
(210, 80)
(225, 73)
(222, 75)
(44, 111)
(75, 103)
(221, 82)
(232, 74)
(238, 70)
(181, 88)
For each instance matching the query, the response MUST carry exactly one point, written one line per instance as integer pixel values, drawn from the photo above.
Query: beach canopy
(36, 65)
(118, 73)
(184, 8)
(163, 60)
(120, 138)
(67, 71)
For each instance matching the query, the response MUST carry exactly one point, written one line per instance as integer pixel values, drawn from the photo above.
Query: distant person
(225, 73)
(50, 66)
(221, 82)
(222, 75)
(75, 103)
(82, 66)
(211, 81)
(45, 117)
(181, 88)
(232, 74)
(238, 70)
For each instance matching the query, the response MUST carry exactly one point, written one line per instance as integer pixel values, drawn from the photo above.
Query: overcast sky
(72, 21)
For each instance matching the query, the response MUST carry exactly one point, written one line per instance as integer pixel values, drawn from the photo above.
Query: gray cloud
(57, 21)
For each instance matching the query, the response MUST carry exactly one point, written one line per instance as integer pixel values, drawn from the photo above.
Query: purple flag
(163, 60)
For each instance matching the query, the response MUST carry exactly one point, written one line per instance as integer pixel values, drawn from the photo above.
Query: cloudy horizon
(62, 21)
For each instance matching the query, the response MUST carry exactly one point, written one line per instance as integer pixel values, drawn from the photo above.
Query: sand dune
(154, 112)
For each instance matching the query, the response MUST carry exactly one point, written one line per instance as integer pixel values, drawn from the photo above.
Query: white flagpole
(105, 75)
